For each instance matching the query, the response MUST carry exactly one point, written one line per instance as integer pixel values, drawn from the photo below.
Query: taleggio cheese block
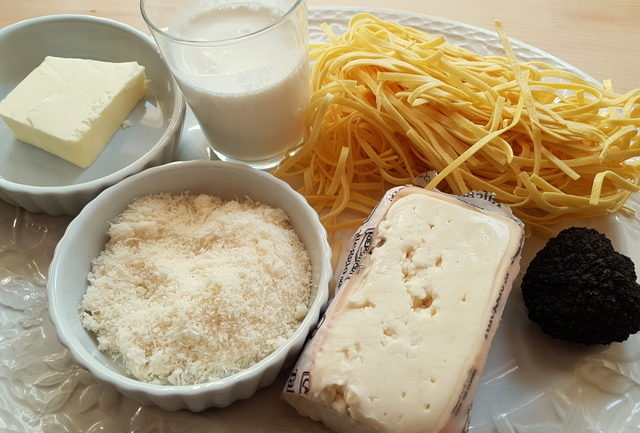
(72, 107)
(403, 344)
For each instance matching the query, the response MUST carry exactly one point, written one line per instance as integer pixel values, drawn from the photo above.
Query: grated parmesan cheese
(190, 288)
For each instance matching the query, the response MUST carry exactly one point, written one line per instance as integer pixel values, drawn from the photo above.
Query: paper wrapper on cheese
(418, 299)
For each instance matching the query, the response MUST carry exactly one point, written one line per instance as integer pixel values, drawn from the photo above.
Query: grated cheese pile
(190, 288)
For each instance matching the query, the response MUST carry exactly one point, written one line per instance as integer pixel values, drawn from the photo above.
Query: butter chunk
(72, 107)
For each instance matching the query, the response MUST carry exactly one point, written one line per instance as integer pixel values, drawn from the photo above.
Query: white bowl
(85, 238)
(41, 182)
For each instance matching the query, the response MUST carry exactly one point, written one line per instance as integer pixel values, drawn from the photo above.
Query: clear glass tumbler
(243, 68)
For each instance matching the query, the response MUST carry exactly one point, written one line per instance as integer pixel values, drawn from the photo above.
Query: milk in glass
(245, 78)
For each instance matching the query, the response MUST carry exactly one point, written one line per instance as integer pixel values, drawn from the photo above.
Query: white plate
(531, 383)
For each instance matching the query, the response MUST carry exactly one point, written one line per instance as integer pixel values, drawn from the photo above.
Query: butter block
(72, 107)
(402, 346)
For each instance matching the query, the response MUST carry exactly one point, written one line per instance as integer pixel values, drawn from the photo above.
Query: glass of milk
(243, 68)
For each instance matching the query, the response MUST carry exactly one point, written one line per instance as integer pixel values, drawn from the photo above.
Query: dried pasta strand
(390, 102)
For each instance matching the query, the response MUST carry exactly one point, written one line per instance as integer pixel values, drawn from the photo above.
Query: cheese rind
(404, 341)
(72, 107)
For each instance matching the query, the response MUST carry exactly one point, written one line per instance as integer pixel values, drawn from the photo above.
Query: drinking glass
(243, 68)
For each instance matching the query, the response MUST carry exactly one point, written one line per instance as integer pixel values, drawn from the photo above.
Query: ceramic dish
(84, 239)
(42, 182)
(530, 384)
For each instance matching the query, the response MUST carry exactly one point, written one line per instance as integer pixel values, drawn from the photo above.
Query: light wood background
(601, 37)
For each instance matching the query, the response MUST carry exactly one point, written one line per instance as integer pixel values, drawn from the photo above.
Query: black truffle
(579, 289)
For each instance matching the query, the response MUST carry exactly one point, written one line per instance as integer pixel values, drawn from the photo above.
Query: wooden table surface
(601, 37)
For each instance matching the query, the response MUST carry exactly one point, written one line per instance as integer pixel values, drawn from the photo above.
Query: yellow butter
(72, 107)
